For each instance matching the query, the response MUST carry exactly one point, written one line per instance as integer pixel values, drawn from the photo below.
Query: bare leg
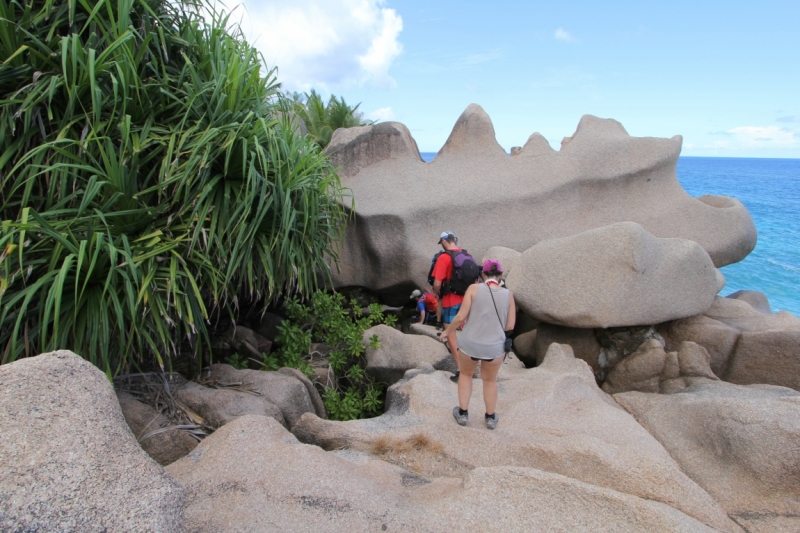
(489, 370)
(467, 367)
(439, 311)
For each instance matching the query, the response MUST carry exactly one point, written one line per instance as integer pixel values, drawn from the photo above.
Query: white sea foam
(784, 266)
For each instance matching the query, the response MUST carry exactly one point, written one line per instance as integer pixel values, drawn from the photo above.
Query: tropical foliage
(146, 182)
(327, 318)
(322, 119)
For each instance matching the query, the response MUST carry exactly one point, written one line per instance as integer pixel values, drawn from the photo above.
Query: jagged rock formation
(652, 369)
(488, 198)
(69, 461)
(746, 346)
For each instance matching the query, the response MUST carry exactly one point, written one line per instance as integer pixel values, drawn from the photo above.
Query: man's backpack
(465, 273)
(433, 264)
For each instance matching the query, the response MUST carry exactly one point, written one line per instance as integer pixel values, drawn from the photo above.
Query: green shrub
(237, 361)
(326, 318)
(146, 181)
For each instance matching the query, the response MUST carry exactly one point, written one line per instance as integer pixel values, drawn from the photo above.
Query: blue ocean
(770, 189)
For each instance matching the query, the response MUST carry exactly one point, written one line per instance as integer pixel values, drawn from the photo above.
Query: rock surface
(757, 300)
(399, 352)
(69, 461)
(718, 338)
(552, 418)
(242, 341)
(508, 258)
(165, 446)
(746, 346)
(651, 369)
(617, 275)
(424, 329)
(254, 476)
(525, 347)
(217, 407)
(640, 371)
(288, 389)
(583, 342)
(600, 177)
(740, 443)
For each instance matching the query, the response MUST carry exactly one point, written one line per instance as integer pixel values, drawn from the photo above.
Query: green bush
(326, 318)
(237, 361)
(146, 181)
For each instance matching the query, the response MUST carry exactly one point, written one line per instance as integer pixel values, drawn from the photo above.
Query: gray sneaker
(491, 421)
(461, 419)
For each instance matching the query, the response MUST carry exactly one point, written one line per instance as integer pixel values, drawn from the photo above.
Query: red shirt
(430, 301)
(442, 271)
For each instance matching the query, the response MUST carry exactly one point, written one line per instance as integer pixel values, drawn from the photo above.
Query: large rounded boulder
(617, 275)
(69, 461)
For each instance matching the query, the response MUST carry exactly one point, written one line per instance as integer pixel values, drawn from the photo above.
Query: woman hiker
(489, 312)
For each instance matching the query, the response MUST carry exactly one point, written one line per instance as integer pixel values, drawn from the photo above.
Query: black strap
(502, 326)
(498, 317)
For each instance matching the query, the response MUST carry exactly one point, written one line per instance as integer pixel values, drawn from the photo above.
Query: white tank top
(483, 336)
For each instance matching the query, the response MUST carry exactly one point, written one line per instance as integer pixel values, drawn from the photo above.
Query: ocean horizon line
(686, 157)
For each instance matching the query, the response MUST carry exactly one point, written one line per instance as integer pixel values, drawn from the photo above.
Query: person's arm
(511, 319)
(463, 313)
(422, 316)
(440, 273)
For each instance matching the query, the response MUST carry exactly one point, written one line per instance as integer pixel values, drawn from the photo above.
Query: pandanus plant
(147, 181)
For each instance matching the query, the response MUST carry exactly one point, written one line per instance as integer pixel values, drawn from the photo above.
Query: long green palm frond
(146, 180)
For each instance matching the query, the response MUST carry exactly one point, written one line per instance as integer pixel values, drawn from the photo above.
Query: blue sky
(722, 74)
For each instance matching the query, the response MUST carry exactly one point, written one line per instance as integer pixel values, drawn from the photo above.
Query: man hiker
(426, 305)
(453, 272)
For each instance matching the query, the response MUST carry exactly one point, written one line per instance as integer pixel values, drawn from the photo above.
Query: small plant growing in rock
(325, 317)
(271, 361)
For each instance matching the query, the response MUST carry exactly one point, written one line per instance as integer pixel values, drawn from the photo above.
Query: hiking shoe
(461, 419)
(454, 377)
(491, 421)
(440, 326)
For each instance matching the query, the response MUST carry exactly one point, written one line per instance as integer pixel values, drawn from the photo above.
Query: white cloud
(764, 136)
(325, 43)
(563, 35)
(383, 113)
